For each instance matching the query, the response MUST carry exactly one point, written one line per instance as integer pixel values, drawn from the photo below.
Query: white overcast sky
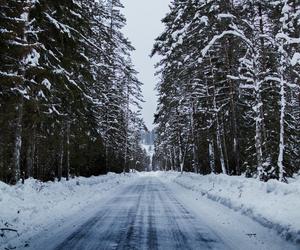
(143, 26)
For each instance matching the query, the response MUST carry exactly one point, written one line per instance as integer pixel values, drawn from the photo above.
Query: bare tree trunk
(19, 106)
(282, 132)
(283, 83)
(29, 162)
(37, 158)
(211, 149)
(181, 151)
(1, 158)
(68, 151)
(106, 156)
(211, 153)
(61, 156)
(220, 148)
(182, 154)
(264, 66)
(225, 146)
(258, 145)
(218, 132)
(125, 154)
(174, 158)
(195, 158)
(236, 143)
(126, 129)
(171, 159)
(180, 158)
(31, 153)
(258, 120)
(18, 142)
(236, 147)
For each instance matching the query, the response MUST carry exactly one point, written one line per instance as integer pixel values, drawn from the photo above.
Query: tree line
(69, 94)
(229, 89)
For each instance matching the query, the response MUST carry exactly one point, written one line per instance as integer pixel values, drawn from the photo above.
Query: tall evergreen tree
(232, 98)
(69, 92)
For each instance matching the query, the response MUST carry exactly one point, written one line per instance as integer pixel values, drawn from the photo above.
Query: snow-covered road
(152, 213)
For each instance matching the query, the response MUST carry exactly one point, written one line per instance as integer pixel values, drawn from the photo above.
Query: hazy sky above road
(143, 26)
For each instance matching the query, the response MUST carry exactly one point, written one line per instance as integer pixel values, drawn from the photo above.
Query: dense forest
(70, 99)
(69, 95)
(229, 89)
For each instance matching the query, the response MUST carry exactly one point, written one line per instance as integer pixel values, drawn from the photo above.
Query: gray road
(146, 215)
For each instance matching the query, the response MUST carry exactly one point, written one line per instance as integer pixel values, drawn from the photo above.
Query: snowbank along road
(151, 213)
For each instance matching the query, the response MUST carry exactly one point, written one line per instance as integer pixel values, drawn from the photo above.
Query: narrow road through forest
(149, 214)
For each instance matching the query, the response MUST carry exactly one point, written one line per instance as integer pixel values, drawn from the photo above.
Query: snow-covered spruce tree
(252, 74)
(133, 124)
(229, 96)
(19, 62)
(190, 26)
(294, 51)
(264, 64)
(288, 42)
(65, 88)
(122, 89)
(175, 112)
(68, 74)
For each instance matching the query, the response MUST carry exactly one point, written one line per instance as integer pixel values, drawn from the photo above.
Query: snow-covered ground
(35, 206)
(273, 204)
(270, 208)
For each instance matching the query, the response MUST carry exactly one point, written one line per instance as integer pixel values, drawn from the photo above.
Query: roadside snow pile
(274, 204)
(32, 207)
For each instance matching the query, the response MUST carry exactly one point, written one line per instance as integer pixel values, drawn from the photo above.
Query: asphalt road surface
(143, 215)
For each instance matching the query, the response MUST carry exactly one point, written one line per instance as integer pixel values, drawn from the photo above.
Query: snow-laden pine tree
(19, 61)
(220, 68)
(288, 41)
(68, 89)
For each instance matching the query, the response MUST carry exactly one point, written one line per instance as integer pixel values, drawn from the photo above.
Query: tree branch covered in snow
(229, 88)
(69, 95)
